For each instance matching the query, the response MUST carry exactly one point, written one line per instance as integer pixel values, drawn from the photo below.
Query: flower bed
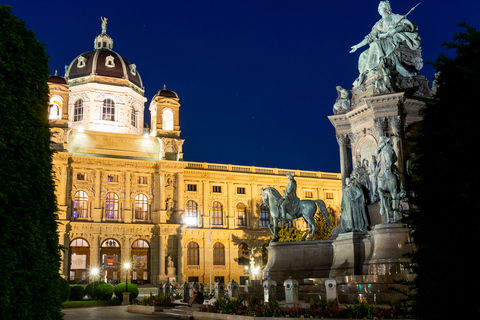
(317, 309)
(151, 304)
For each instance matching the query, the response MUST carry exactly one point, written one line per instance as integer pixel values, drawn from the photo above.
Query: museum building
(124, 192)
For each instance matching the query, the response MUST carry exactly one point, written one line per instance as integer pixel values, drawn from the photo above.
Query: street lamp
(93, 273)
(126, 294)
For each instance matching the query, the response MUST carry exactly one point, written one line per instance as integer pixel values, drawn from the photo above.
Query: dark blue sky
(256, 79)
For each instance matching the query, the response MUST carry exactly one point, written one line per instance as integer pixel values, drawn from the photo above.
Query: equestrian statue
(291, 208)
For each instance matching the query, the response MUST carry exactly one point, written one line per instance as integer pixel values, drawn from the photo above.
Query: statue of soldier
(291, 202)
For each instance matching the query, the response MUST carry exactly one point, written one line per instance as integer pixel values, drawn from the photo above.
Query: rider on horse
(291, 202)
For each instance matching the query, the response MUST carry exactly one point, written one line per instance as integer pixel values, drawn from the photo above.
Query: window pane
(217, 214)
(219, 254)
(111, 206)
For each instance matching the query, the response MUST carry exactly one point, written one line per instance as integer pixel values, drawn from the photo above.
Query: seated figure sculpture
(394, 45)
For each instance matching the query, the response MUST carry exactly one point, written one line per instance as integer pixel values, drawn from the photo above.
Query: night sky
(256, 79)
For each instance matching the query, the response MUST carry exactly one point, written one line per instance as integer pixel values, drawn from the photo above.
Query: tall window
(241, 215)
(217, 214)
(243, 254)
(80, 205)
(108, 112)
(264, 216)
(167, 119)
(218, 254)
(133, 118)
(141, 207)
(191, 213)
(78, 110)
(193, 254)
(111, 206)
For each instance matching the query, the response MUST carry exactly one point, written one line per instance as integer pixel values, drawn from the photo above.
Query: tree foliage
(29, 248)
(446, 187)
(287, 234)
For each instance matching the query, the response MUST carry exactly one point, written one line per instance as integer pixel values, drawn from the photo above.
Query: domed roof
(57, 79)
(166, 93)
(103, 61)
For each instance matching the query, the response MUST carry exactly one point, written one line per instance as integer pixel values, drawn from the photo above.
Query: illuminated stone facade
(125, 194)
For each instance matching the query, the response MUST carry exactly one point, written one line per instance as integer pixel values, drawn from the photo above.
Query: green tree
(29, 248)
(323, 230)
(446, 187)
(287, 234)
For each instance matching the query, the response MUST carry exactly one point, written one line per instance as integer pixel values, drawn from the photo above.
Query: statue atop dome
(104, 24)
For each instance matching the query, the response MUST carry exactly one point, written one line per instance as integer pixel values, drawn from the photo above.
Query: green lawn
(91, 303)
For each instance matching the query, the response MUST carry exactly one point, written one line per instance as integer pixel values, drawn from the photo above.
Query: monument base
(390, 244)
(302, 259)
(349, 252)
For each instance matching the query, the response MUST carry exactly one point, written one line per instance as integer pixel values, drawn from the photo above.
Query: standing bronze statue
(292, 208)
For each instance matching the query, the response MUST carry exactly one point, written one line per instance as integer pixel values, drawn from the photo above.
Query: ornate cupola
(107, 92)
(103, 40)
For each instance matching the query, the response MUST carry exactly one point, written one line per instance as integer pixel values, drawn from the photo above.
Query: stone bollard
(291, 291)
(168, 288)
(269, 290)
(186, 292)
(232, 290)
(160, 289)
(219, 290)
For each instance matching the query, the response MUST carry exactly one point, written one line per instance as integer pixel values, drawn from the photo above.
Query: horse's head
(265, 196)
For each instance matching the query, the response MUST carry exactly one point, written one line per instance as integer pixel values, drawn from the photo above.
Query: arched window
(55, 108)
(241, 215)
(243, 254)
(217, 214)
(111, 206)
(191, 213)
(167, 119)
(133, 117)
(193, 254)
(140, 244)
(80, 205)
(79, 243)
(108, 111)
(264, 216)
(141, 207)
(78, 110)
(218, 254)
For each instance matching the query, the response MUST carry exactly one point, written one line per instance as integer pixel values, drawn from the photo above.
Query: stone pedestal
(126, 298)
(302, 259)
(390, 243)
(349, 253)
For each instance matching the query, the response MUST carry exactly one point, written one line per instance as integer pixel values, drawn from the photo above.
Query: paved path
(115, 312)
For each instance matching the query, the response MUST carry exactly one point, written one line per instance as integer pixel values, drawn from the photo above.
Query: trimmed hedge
(120, 289)
(63, 289)
(90, 286)
(77, 292)
(103, 292)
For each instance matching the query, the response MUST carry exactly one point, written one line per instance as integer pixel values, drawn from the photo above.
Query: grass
(91, 303)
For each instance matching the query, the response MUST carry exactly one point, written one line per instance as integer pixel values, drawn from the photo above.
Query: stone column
(127, 206)
(95, 252)
(126, 256)
(180, 201)
(180, 255)
(254, 221)
(379, 127)
(344, 158)
(395, 123)
(161, 260)
(97, 205)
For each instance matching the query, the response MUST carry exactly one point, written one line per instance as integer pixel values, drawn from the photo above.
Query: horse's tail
(323, 209)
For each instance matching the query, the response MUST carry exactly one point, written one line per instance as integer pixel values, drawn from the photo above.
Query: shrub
(77, 292)
(90, 286)
(103, 292)
(120, 288)
(63, 289)
(163, 301)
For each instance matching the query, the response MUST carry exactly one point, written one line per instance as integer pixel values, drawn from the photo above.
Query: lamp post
(93, 273)
(126, 294)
